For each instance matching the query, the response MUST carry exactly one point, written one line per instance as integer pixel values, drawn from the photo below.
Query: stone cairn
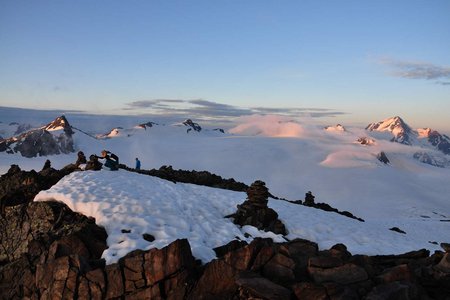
(255, 212)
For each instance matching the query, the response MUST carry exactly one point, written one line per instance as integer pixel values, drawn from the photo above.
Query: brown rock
(446, 247)
(260, 288)
(346, 274)
(240, 259)
(444, 264)
(325, 262)
(394, 290)
(264, 255)
(217, 282)
(133, 271)
(280, 269)
(115, 287)
(159, 264)
(309, 291)
(397, 273)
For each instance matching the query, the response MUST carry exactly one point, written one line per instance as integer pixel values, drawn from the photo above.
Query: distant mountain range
(426, 138)
(57, 137)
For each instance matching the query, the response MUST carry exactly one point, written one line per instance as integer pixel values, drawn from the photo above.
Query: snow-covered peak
(396, 125)
(336, 128)
(113, 133)
(424, 132)
(399, 129)
(60, 123)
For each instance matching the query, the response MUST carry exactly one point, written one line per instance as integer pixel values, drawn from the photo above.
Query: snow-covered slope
(130, 205)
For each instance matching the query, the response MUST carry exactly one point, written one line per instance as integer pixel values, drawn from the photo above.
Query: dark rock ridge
(310, 202)
(19, 187)
(255, 211)
(47, 140)
(195, 177)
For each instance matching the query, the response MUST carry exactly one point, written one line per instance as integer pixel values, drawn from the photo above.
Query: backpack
(115, 157)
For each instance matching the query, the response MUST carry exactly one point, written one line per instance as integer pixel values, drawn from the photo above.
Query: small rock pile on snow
(255, 211)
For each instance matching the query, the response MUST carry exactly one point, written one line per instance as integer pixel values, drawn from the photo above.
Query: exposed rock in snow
(192, 125)
(367, 141)
(383, 158)
(431, 159)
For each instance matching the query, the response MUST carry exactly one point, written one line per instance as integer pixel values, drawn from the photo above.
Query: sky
(348, 61)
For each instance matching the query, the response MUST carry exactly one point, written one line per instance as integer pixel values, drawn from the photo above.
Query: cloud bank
(205, 109)
(418, 70)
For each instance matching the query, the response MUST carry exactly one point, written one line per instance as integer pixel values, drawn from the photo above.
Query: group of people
(111, 161)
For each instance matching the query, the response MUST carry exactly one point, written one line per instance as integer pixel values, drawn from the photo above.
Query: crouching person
(112, 160)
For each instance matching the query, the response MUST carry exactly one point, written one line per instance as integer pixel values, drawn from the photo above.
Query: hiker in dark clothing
(112, 160)
(81, 159)
(93, 163)
(309, 199)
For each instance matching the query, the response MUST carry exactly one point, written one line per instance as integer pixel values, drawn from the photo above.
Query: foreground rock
(19, 187)
(260, 270)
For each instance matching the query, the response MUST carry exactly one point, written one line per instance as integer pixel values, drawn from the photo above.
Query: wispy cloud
(205, 109)
(418, 70)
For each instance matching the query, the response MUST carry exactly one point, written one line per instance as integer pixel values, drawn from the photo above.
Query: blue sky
(364, 60)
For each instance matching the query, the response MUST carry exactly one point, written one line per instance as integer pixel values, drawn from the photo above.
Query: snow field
(123, 201)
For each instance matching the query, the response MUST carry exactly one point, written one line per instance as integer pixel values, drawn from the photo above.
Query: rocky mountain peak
(400, 130)
(393, 124)
(44, 141)
(60, 123)
(194, 126)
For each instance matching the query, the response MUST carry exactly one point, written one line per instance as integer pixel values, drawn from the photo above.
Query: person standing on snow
(138, 164)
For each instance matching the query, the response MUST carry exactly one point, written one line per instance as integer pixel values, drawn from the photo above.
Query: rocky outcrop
(18, 186)
(440, 141)
(53, 138)
(383, 158)
(430, 159)
(56, 254)
(41, 230)
(255, 211)
(192, 125)
(366, 141)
